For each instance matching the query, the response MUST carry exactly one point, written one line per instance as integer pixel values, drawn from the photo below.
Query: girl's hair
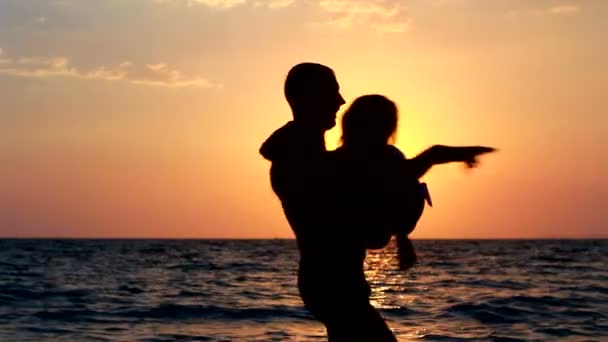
(370, 120)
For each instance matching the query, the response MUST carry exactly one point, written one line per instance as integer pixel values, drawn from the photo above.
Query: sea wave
(222, 290)
(167, 312)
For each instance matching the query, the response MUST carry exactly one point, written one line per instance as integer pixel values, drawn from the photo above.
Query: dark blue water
(212, 290)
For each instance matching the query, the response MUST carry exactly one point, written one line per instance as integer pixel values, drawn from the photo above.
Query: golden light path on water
(434, 287)
(380, 266)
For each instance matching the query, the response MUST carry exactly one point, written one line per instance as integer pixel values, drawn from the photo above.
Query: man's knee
(361, 325)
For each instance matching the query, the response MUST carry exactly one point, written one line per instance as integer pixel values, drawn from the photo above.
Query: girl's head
(371, 120)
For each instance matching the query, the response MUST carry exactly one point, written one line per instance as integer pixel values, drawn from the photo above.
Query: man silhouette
(330, 275)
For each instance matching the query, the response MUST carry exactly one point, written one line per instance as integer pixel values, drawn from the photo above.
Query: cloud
(227, 4)
(64, 3)
(38, 67)
(564, 9)
(161, 75)
(393, 27)
(220, 4)
(217, 3)
(555, 10)
(274, 3)
(446, 3)
(376, 14)
(379, 15)
(353, 7)
(149, 74)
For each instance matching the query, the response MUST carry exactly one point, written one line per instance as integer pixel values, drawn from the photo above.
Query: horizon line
(279, 238)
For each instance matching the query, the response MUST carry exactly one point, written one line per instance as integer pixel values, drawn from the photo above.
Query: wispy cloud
(148, 74)
(227, 4)
(3, 61)
(446, 3)
(564, 9)
(379, 15)
(376, 14)
(274, 3)
(355, 7)
(555, 10)
(220, 4)
(392, 27)
(217, 3)
(62, 3)
(161, 75)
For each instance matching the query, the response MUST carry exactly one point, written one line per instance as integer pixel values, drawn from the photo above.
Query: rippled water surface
(239, 290)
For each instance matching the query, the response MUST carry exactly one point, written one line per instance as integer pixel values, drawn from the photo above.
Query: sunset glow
(144, 118)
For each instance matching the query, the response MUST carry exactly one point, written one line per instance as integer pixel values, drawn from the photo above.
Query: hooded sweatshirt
(302, 176)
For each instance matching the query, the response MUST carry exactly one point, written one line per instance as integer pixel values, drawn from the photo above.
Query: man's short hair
(303, 78)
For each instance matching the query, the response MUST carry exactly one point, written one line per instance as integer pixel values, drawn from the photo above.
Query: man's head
(313, 94)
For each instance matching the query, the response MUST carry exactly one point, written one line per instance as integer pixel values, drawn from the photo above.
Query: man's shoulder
(280, 143)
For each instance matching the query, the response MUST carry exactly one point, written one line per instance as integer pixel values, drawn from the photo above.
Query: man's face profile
(326, 101)
(314, 95)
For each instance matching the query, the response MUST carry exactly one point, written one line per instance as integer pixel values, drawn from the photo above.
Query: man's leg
(363, 324)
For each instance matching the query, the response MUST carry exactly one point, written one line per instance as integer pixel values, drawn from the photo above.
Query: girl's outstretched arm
(440, 154)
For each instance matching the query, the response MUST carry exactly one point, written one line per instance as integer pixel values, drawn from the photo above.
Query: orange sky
(144, 118)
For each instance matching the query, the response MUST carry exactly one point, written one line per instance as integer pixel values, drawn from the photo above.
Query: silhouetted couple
(341, 203)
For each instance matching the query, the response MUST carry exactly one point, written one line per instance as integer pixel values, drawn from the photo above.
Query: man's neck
(311, 134)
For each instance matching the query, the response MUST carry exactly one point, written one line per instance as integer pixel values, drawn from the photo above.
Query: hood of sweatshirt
(292, 141)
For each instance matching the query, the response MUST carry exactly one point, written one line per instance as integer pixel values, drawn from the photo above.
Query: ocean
(245, 290)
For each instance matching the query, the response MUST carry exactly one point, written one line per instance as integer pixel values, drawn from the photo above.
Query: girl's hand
(470, 154)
